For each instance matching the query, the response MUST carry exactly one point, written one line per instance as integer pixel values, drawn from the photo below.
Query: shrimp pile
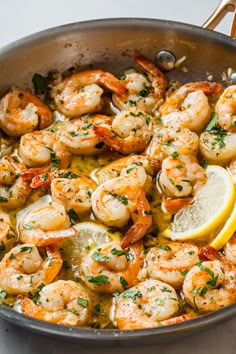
(101, 155)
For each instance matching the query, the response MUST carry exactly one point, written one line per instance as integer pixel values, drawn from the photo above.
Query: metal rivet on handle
(232, 78)
(165, 60)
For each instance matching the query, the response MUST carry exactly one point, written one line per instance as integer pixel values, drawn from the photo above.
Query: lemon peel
(212, 205)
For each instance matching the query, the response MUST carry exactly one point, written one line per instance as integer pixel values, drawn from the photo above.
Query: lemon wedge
(226, 232)
(89, 235)
(212, 205)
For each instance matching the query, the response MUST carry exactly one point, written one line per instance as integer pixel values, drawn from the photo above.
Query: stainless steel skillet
(110, 44)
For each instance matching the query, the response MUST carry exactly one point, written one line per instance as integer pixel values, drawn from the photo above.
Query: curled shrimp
(81, 93)
(144, 91)
(188, 106)
(181, 176)
(230, 249)
(79, 137)
(42, 147)
(62, 302)
(171, 262)
(211, 284)
(45, 225)
(226, 109)
(108, 268)
(7, 234)
(130, 131)
(126, 165)
(71, 190)
(14, 190)
(116, 201)
(218, 146)
(21, 113)
(23, 270)
(167, 141)
(145, 305)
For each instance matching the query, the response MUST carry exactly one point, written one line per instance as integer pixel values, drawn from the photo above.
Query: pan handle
(223, 8)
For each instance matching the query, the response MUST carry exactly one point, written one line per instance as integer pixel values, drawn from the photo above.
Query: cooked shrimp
(145, 305)
(230, 249)
(218, 146)
(181, 176)
(188, 107)
(167, 141)
(130, 131)
(81, 93)
(210, 285)
(63, 302)
(226, 109)
(7, 234)
(108, 268)
(126, 165)
(74, 193)
(45, 225)
(14, 190)
(42, 147)
(23, 270)
(171, 262)
(71, 190)
(119, 199)
(79, 137)
(144, 91)
(172, 206)
(21, 113)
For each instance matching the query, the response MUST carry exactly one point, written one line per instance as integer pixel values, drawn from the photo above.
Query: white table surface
(20, 18)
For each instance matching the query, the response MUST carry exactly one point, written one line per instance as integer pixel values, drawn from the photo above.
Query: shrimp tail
(175, 320)
(142, 221)
(155, 163)
(52, 264)
(209, 253)
(29, 174)
(174, 205)
(112, 83)
(152, 69)
(110, 139)
(49, 237)
(29, 306)
(209, 88)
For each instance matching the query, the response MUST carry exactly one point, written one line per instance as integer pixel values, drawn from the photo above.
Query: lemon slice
(226, 232)
(212, 205)
(89, 236)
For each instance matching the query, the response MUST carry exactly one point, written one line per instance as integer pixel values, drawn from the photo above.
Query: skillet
(109, 44)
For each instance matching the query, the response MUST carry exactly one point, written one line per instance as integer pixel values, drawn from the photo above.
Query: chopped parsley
(131, 294)
(82, 302)
(212, 122)
(100, 258)
(174, 154)
(165, 247)
(123, 282)
(40, 84)
(26, 249)
(4, 200)
(29, 227)
(98, 280)
(97, 307)
(121, 198)
(159, 302)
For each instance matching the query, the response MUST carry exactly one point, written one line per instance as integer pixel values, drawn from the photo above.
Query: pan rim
(101, 335)
(115, 23)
